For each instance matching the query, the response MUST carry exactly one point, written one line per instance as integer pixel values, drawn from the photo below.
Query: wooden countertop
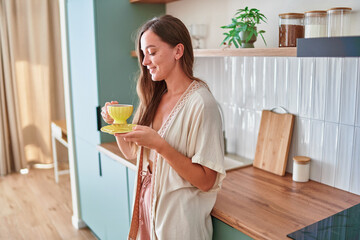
(266, 206)
(112, 150)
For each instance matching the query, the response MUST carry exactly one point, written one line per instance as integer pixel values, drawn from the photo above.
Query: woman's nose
(145, 61)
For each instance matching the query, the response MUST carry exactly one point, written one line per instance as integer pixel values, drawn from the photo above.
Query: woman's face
(159, 56)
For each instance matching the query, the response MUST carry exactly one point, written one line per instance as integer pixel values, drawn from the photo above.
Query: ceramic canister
(301, 169)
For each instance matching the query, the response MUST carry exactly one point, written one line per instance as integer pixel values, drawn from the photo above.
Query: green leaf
(263, 39)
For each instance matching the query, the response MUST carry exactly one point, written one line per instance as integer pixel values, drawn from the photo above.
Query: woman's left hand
(143, 136)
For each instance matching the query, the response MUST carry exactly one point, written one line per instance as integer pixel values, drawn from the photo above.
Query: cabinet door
(90, 186)
(222, 231)
(115, 198)
(83, 70)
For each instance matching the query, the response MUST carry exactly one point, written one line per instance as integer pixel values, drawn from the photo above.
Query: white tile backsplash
(329, 153)
(269, 82)
(344, 157)
(318, 103)
(293, 80)
(316, 143)
(348, 91)
(323, 94)
(332, 99)
(355, 164)
(306, 86)
(281, 87)
(259, 83)
(357, 105)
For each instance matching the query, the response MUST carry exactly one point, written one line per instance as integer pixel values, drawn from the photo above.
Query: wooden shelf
(253, 52)
(244, 52)
(151, 1)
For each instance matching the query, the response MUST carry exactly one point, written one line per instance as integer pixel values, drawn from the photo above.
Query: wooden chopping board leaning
(273, 141)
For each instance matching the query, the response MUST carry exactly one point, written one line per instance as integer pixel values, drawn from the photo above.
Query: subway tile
(259, 83)
(293, 82)
(332, 100)
(357, 105)
(306, 86)
(355, 166)
(228, 88)
(238, 79)
(328, 163)
(249, 83)
(249, 136)
(318, 101)
(231, 123)
(315, 147)
(281, 88)
(269, 82)
(344, 156)
(303, 136)
(241, 133)
(348, 91)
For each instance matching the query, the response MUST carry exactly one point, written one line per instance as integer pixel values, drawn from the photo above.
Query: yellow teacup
(120, 112)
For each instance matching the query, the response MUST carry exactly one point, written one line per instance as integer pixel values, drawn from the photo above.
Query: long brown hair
(172, 31)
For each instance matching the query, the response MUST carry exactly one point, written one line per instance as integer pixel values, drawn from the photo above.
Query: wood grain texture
(112, 150)
(33, 206)
(264, 52)
(245, 52)
(266, 206)
(273, 142)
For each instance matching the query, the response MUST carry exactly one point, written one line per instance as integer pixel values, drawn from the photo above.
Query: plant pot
(244, 36)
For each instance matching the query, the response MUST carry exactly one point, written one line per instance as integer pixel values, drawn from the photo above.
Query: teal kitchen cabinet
(91, 187)
(115, 201)
(222, 231)
(131, 187)
(100, 36)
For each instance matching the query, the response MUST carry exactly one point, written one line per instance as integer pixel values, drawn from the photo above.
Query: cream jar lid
(339, 10)
(316, 13)
(291, 15)
(301, 159)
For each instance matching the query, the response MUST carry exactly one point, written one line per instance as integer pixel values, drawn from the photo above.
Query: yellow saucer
(117, 128)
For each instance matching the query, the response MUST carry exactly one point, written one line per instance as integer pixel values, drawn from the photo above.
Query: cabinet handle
(98, 117)
(100, 169)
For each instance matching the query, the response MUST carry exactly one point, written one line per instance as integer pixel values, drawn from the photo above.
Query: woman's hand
(143, 136)
(105, 114)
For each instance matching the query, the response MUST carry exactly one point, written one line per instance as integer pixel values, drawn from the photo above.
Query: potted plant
(242, 30)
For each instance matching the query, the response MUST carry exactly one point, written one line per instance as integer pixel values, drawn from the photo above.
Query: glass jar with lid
(338, 21)
(315, 24)
(291, 27)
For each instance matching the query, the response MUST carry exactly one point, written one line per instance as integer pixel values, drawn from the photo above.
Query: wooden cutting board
(273, 142)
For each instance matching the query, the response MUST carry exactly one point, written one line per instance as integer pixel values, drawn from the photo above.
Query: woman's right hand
(105, 114)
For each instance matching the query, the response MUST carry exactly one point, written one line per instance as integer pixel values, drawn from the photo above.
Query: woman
(178, 138)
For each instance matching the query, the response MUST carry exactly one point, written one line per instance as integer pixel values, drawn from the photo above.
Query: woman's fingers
(105, 114)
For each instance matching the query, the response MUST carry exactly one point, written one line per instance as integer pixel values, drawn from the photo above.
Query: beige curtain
(31, 81)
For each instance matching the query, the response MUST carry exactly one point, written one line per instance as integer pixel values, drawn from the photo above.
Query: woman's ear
(179, 51)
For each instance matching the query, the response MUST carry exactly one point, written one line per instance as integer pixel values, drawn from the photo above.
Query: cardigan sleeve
(205, 136)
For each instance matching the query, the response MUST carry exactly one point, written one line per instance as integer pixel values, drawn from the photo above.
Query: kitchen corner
(262, 205)
(322, 92)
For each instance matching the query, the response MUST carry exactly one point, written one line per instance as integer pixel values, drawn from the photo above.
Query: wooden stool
(58, 132)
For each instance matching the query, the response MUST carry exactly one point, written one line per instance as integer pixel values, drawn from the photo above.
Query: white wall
(217, 13)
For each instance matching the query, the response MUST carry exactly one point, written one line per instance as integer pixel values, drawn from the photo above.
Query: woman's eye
(151, 53)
